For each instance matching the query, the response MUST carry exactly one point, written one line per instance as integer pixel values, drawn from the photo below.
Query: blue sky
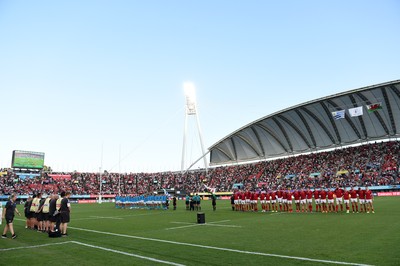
(76, 76)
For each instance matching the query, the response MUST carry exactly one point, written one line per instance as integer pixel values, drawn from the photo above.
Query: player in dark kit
(214, 201)
(65, 210)
(8, 214)
(53, 216)
(174, 202)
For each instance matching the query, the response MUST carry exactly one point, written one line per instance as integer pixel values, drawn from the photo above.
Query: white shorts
(236, 202)
(362, 201)
(242, 201)
(289, 202)
(268, 201)
(247, 200)
(317, 201)
(279, 200)
(339, 200)
(273, 201)
(284, 200)
(346, 201)
(368, 201)
(323, 200)
(303, 201)
(254, 201)
(353, 200)
(297, 201)
(331, 201)
(262, 201)
(309, 200)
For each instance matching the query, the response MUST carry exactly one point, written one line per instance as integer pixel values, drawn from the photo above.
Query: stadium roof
(312, 126)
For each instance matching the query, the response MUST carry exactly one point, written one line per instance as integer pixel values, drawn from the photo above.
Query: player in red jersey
(254, 203)
(248, 200)
(322, 195)
(262, 201)
(267, 200)
(346, 199)
(289, 201)
(243, 201)
(280, 198)
(353, 200)
(309, 195)
(273, 202)
(368, 200)
(331, 201)
(296, 195)
(361, 199)
(317, 200)
(236, 200)
(339, 198)
(284, 201)
(303, 201)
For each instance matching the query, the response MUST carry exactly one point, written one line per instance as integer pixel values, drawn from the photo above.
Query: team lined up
(325, 200)
(47, 214)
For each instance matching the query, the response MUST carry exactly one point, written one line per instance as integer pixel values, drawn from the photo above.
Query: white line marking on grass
(128, 254)
(36, 246)
(218, 248)
(96, 247)
(105, 217)
(183, 226)
(207, 224)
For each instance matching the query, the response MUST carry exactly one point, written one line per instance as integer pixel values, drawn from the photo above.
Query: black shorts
(9, 219)
(39, 216)
(46, 216)
(33, 214)
(53, 218)
(64, 217)
(187, 202)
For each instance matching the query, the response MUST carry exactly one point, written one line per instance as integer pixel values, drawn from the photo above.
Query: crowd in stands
(371, 164)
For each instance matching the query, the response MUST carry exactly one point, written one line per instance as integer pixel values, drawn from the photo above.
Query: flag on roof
(338, 114)
(373, 107)
(356, 111)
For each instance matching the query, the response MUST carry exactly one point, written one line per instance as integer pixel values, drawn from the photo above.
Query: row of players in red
(325, 200)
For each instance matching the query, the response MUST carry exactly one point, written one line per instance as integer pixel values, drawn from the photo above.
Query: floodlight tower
(191, 111)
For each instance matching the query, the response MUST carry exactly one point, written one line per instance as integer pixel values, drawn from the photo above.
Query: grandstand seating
(371, 164)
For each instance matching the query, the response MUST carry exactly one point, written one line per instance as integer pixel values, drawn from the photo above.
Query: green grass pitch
(99, 234)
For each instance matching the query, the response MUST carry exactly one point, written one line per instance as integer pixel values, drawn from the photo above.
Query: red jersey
(279, 193)
(368, 194)
(254, 196)
(330, 194)
(339, 193)
(262, 196)
(284, 194)
(316, 194)
(361, 194)
(248, 195)
(296, 195)
(288, 195)
(273, 195)
(243, 196)
(353, 194)
(346, 195)
(322, 193)
(303, 194)
(236, 196)
(309, 194)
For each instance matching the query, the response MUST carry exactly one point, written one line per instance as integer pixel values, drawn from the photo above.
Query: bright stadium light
(190, 95)
(191, 111)
(190, 91)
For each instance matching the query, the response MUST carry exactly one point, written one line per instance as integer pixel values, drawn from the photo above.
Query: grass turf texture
(356, 238)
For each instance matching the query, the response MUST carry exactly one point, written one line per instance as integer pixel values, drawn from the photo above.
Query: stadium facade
(356, 116)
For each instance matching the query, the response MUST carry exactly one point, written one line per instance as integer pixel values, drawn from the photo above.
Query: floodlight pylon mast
(191, 110)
